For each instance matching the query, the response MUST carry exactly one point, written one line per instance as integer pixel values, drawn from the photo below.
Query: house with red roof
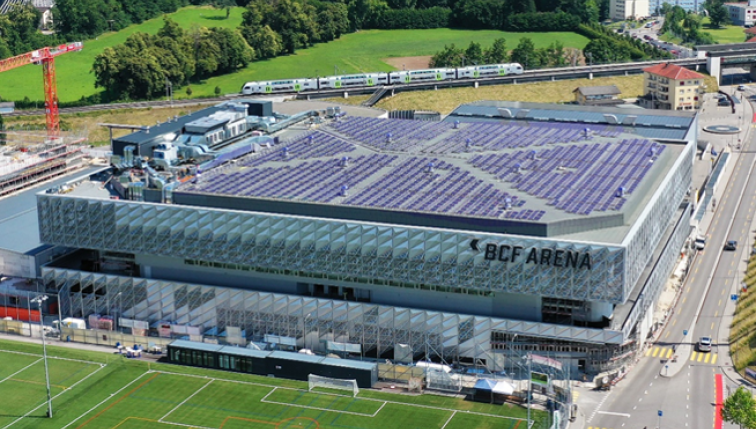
(671, 87)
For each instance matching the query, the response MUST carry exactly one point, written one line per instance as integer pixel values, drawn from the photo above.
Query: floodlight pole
(39, 300)
(530, 384)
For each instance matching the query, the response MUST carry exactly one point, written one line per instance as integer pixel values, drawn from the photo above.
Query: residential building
(743, 13)
(628, 9)
(597, 95)
(671, 87)
(688, 5)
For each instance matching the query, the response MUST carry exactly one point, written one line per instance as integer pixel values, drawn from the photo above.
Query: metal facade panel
(316, 247)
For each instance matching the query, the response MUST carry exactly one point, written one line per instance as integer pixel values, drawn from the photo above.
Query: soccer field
(108, 392)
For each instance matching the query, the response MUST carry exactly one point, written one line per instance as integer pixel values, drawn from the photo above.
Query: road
(687, 399)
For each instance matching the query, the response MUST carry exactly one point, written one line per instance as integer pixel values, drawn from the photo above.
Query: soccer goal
(333, 383)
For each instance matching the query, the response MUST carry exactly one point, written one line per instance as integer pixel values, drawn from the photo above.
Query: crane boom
(46, 57)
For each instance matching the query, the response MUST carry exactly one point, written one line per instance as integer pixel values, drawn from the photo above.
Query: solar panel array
(431, 185)
(444, 137)
(579, 178)
(310, 145)
(488, 169)
(319, 181)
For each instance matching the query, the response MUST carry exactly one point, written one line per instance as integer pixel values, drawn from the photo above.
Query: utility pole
(169, 90)
(530, 384)
(39, 299)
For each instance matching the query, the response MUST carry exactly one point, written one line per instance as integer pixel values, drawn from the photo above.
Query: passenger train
(373, 79)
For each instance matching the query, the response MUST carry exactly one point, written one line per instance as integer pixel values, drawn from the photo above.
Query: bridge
(729, 55)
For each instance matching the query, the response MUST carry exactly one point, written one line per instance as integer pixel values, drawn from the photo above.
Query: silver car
(704, 344)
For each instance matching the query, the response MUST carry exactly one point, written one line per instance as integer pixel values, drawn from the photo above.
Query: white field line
(21, 370)
(106, 399)
(54, 397)
(447, 422)
(289, 404)
(186, 426)
(428, 407)
(52, 357)
(269, 393)
(379, 409)
(185, 400)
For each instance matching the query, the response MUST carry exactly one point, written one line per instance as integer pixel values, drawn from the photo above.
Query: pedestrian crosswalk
(703, 357)
(667, 353)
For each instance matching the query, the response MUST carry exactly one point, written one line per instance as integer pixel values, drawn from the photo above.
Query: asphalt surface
(686, 398)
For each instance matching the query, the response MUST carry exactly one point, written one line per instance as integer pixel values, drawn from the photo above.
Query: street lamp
(39, 299)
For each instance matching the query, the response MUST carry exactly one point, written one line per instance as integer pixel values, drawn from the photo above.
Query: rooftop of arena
(511, 176)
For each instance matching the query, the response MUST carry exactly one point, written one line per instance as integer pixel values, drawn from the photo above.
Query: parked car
(704, 344)
(731, 245)
(741, 87)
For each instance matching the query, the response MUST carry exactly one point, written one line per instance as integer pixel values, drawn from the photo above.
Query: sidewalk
(720, 143)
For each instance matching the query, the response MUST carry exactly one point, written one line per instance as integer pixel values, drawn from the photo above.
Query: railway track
(527, 76)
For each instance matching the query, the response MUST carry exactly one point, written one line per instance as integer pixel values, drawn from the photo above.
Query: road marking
(648, 352)
(708, 356)
(720, 303)
(716, 313)
(723, 291)
(684, 298)
(714, 359)
(656, 352)
(693, 358)
(669, 353)
(674, 321)
(611, 413)
(665, 337)
(712, 326)
(700, 357)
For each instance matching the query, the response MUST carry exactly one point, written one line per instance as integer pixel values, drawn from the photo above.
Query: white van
(700, 242)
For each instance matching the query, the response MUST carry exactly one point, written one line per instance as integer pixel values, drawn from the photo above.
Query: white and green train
(378, 79)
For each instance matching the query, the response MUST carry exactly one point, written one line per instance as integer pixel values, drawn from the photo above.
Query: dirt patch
(409, 63)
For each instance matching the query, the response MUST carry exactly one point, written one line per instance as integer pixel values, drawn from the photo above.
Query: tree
(189, 91)
(450, 56)
(525, 54)
(497, 53)
(473, 54)
(217, 91)
(718, 14)
(266, 42)
(740, 409)
(665, 9)
(555, 54)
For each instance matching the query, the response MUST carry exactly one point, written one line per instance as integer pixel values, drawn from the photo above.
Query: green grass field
(726, 34)
(354, 52)
(73, 70)
(102, 391)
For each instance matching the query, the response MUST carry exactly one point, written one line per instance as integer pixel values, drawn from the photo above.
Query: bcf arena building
(506, 226)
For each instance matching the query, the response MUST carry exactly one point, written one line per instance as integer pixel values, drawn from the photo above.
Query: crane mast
(45, 57)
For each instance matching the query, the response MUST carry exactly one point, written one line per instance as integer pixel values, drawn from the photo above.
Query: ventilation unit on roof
(629, 120)
(518, 168)
(285, 152)
(652, 151)
(587, 133)
(344, 162)
(456, 125)
(505, 113)
(309, 138)
(522, 113)
(344, 189)
(611, 119)
(507, 203)
(620, 192)
(388, 137)
(429, 169)
(468, 143)
(533, 155)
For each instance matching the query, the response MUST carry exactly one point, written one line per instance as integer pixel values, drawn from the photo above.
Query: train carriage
(408, 76)
(275, 86)
(488, 70)
(353, 80)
